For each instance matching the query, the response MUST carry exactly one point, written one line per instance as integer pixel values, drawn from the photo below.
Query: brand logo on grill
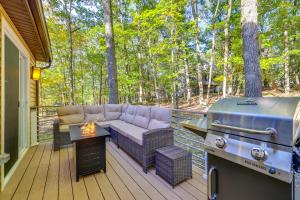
(255, 165)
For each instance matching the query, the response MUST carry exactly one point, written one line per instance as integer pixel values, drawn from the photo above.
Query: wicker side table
(173, 164)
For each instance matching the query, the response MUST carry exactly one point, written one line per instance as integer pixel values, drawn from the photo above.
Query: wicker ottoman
(173, 164)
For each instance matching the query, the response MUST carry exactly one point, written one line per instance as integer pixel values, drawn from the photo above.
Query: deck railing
(45, 117)
(184, 138)
(188, 139)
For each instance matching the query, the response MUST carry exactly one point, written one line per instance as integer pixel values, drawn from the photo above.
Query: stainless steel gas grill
(253, 149)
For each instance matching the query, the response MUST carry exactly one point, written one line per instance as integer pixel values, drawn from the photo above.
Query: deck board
(28, 178)
(65, 185)
(79, 188)
(135, 189)
(47, 174)
(151, 191)
(18, 175)
(159, 186)
(52, 178)
(92, 188)
(118, 184)
(107, 189)
(38, 186)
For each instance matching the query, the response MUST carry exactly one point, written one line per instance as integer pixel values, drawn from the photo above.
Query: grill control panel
(276, 163)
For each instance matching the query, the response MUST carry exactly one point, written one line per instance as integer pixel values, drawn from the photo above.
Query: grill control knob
(258, 153)
(272, 170)
(221, 142)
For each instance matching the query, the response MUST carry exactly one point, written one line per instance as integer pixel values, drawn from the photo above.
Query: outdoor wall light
(36, 73)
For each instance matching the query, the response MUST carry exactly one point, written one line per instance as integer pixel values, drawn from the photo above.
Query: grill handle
(268, 131)
(211, 196)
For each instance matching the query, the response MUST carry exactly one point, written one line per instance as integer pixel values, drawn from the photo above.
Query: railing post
(33, 126)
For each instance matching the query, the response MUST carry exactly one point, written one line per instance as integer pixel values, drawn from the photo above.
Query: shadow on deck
(45, 174)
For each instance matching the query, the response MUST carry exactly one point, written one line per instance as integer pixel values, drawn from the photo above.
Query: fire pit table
(89, 149)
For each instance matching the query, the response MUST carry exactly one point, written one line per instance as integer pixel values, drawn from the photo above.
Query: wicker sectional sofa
(138, 130)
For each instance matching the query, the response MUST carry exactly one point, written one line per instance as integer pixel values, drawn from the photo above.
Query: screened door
(11, 118)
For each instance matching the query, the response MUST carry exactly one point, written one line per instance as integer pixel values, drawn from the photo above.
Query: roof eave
(37, 11)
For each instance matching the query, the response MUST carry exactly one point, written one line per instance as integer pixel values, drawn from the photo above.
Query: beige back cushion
(123, 113)
(70, 114)
(93, 109)
(94, 113)
(160, 118)
(130, 114)
(142, 116)
(112, 111)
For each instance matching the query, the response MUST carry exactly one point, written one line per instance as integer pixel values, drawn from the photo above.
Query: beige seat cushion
(142, 116)
(70, 114)
(104, 123)
(131, 131)
(160, 118)
(112, 111)
(65, 128)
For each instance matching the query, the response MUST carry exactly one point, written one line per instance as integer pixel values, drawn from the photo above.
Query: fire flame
(88, 129)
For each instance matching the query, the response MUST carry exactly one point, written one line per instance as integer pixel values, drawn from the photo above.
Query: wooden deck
(45, 174)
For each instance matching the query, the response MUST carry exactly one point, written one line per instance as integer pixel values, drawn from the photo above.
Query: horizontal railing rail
(184, 138)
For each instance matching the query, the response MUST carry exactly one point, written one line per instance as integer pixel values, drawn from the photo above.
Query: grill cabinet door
(231, 181)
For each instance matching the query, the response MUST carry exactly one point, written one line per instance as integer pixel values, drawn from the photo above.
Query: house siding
(33, 98)
(1, 137)
(6, 26)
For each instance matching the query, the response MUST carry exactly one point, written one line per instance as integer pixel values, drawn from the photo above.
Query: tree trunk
(213, 47)
(152, 65)
(230, 84)
(173, 65)
(212, 64)
(70, 34)
(286, 63)
(226, 48)
(140, 70)
(110, 53)
(65, 96)
(141, 80)
(101, 85)
(200, 83)
(253, 84)
(175, 83)
(82, 84)
(187, 81)
(195, 13)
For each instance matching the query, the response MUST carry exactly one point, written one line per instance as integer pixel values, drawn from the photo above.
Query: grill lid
(270, 119)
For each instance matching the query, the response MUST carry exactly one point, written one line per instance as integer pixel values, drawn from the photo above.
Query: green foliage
(154, 40)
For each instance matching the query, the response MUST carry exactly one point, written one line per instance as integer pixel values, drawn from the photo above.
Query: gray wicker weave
(59, 138)
(173, 164)
(143, 154)
(152, 140)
